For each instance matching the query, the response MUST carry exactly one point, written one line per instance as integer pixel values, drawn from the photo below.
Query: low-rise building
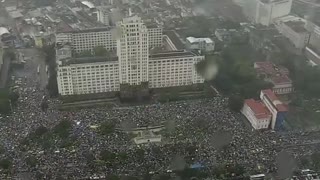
(256, 113)
(276, 107)
(276, 75)
(204, 44)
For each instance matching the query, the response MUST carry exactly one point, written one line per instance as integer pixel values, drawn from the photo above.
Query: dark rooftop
(175, 39)
(171, 54)
(88, 30)
(297, 26)
(84, 60)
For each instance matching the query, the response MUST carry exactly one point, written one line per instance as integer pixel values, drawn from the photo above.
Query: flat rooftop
(86, 60)
(100, 29)
(175, 39)
(171, 54)
(297, 26)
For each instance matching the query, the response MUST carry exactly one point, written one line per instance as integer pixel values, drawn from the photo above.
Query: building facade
(87, 40)
(176, 68)
(87, 76)
(294, 29)
(133, 65)
(133, 51)
(264, 12)
(256, 113)
(204, 44)
(103, 15)
(276, 107)
(155, 36)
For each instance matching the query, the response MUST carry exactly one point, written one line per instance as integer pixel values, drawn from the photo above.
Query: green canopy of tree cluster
(7, 97)
(97, 51)
(62, 128)
(106, 128)
(5, 163)
(31, 161)
(236, 74)
(305, 77)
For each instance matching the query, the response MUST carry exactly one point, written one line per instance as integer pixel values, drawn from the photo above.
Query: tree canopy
(5, 163)
(235, 102)
(236, 74)
(62, 128)
(5, 107)
(106, 128)
(100, 51)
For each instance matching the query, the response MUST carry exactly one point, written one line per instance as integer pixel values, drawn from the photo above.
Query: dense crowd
(198, 131)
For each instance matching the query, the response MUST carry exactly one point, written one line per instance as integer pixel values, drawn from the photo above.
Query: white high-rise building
(266, 11)
(133, 51)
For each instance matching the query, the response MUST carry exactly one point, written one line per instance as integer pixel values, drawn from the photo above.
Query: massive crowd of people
(198, 131)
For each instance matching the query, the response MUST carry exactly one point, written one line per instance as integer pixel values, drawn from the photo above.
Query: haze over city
(160, 89)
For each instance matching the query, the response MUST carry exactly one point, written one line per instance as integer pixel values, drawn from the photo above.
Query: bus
(258, 177)
(38, 69)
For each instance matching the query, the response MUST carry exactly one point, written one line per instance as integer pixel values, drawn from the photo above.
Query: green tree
(41, 130)
(5, 106)
(62, 129)
(5, 163)
(315, 157)
(235, 103)
(2, 149)
(106, 128)
(86, 53)
(100, 51)
(14, 96)
(31, 161)
(107, 156)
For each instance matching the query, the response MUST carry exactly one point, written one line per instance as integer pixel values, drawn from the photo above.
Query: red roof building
(257, 114)
(278, 76)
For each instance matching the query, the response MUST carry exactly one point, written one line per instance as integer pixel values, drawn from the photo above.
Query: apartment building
(132, 66)
(155, 35)
(86, 40)
(88, 75)
(175, 68)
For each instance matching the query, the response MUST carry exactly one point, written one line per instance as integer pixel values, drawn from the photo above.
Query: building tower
(132, 51)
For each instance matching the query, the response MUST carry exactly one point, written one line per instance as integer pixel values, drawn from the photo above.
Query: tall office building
(133, 52)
